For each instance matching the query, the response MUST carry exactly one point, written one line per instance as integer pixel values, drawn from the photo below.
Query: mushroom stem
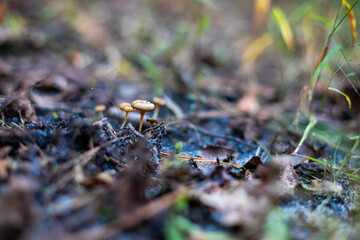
(142, 113)
(125, 119)
(156, 112)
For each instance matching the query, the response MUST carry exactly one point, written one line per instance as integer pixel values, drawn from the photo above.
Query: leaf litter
(68, 172)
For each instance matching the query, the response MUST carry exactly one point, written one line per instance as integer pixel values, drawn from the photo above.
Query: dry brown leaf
(243, 204)
(18, 104)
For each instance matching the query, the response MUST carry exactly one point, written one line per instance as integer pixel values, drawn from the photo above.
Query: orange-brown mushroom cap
(100, 108)
(159, 101)
(143, 105)
(126, 107)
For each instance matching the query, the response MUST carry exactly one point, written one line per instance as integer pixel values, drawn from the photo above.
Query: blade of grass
(342, 19)
(285, 28)
(304, 94)
(352, 70)
(326, 59)
(352, 20)
(325, 164)
(254, 49)
(307, 132)
(347, 156)
(346, 96)
(203, 25)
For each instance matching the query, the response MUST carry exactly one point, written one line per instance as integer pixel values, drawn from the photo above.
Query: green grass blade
(338, 91)
(316, 75)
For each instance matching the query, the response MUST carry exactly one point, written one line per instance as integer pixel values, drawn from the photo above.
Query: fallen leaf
(243, 204)
(17, 104)
(288, 178)
(324, 186)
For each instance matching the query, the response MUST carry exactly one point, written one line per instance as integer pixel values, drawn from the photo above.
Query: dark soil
(218, 164)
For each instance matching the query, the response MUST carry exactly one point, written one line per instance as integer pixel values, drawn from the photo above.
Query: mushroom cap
(151, 120)
(126, 107)
(159, 101)
(100, 108)
(143, 105)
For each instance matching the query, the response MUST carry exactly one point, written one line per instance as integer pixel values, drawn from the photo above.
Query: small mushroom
(159, 102)
(126, 107)
(100, 109)
(143, 107)
(152, 122)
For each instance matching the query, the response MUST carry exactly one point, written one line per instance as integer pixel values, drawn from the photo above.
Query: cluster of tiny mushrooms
(143, 106)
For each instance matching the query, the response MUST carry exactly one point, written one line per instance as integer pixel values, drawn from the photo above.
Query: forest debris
(68, 205)
(11, 137)
(102, 178)
(132, 218)
(212, 151)
(324, 186)
(197, 159)
(18, 104)
(246, 128)
(252, 164)
(16, 214)
(222, 176)
(288, 178)
(56, 87)
(243, 204)
(22, 184)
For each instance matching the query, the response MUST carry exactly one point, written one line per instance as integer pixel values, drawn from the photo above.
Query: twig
(197, 159)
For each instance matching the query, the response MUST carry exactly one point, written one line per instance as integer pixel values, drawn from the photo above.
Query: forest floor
(221, 163)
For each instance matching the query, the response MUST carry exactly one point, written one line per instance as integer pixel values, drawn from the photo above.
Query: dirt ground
(224, 159)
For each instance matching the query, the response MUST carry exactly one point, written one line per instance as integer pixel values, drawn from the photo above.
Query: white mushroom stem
(125, 119)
